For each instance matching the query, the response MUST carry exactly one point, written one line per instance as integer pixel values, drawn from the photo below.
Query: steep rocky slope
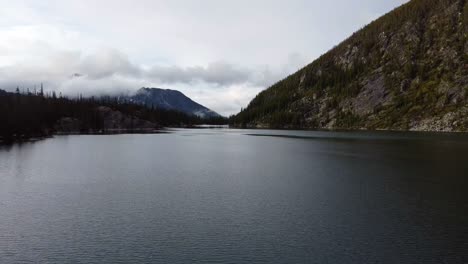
(408, 70)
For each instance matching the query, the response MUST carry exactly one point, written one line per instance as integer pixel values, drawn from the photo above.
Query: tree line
(26, 114)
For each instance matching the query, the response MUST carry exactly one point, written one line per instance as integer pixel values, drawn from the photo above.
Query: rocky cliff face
(407, 70)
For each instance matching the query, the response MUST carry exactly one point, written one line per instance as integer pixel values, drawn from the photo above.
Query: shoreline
(349, 130)
(25, 139)
(165, 130)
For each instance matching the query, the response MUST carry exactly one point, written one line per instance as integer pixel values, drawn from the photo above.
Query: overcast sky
(220, 53)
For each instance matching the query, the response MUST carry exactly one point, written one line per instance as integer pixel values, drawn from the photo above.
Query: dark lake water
(236, 196)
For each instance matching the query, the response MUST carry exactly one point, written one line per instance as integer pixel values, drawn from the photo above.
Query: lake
(236, 196)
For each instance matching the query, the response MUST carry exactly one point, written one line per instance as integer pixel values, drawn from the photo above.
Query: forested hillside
(408, 70)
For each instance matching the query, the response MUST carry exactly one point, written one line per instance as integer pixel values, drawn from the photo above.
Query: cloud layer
(106, 64)
(109, 72)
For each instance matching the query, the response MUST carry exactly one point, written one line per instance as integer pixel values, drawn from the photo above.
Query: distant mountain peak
(76, 75)
(171, 100)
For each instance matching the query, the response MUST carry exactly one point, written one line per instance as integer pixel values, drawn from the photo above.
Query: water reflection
(225, 196)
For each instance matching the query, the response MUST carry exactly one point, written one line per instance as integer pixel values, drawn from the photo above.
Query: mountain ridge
(169, 99)
(406, 70)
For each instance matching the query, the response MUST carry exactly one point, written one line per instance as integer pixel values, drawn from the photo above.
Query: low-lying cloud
(109, 72)
(106, 63)
(219, 73)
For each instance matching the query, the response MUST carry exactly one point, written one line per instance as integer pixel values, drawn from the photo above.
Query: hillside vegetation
(408, 70)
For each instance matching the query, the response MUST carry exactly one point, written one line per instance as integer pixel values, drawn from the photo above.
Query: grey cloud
(225, 74)
(105, 63)
(110, 64)
(219, 73)
(111, 85)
